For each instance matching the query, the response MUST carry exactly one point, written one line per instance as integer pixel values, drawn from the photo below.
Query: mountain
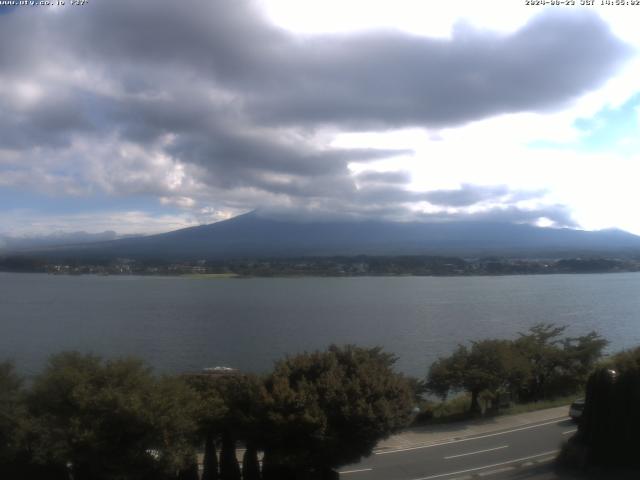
(10, 243)
(252, 235)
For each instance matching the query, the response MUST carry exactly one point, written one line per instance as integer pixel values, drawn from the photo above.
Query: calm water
(179, 324)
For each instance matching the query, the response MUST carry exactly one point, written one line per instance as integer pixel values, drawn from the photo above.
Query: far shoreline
(235, 276)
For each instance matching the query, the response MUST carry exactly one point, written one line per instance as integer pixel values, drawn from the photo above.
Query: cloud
(391, 79)
(364, 80)
(392, 177)
(609, 130)
(556, 215)
(468, 195)
(226, 111)
(31, 224)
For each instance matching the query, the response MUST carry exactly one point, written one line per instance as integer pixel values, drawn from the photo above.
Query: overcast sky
(142, 116)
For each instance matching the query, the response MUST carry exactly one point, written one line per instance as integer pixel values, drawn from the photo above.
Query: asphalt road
(487, 454)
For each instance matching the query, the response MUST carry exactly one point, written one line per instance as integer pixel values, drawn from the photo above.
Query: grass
(541, 405)
(456, 409)
(208, 276)
(451, 410)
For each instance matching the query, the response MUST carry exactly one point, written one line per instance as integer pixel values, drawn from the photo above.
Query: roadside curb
(460, 435)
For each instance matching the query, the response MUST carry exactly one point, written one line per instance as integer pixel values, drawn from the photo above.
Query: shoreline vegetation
(313, 413)
(456, 409)
(345, 266)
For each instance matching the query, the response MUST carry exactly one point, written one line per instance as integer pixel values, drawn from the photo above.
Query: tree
(190, 472)
(12, 419)
(231, 410)
(538, 364)
(111, 419)
(580, 356)
(488, 367)
(229, 467)
(250, 464)
(625, 361)
(557, 366)
(211, 412)
(540, 346)
(244, 397)
(326, 409)
(210, 461)
(447, 373)
(173, 411)
(492, 366)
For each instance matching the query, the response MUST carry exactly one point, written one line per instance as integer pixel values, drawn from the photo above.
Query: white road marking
(474, 453)
(570, 431)
(408, 449)
(356, 471)
(495, 472)
(488, 466)
(545, 460)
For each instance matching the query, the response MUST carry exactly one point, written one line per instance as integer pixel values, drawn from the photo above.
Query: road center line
(356, 471)
(487, 466)
(474, 453)
(570, 431)
(408, 449)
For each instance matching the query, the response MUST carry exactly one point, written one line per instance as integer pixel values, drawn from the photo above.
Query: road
(480, 455)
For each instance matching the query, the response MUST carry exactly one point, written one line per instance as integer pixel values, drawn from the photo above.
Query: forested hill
(255, 236)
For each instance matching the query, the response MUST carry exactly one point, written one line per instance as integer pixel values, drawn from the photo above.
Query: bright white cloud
(207, 137)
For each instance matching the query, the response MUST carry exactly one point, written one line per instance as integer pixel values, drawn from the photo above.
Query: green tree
(327, 409)
(190, 472)
(250, 464)
(580, 356)
(540, 346)
(540, 363)
(447, 373)
(231, 411)
(12, 421)
(210, 460)
(211, 412)
(625, 361)
(244, 396)
(111, 419)
(488, 367)
(557, 366)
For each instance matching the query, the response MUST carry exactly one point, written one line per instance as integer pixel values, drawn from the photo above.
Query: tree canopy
(330, 408)
(540, 363)
(12, 417)
(110, 419)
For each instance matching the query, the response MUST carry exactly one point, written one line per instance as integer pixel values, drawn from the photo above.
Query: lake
(180, 324)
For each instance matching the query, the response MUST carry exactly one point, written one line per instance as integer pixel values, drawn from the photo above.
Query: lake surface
(179, 324)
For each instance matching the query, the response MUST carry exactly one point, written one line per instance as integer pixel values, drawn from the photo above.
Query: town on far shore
(360, 265)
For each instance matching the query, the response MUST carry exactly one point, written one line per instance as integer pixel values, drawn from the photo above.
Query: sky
(122, 117)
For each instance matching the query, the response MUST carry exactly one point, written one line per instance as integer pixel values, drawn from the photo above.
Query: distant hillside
(253, 236)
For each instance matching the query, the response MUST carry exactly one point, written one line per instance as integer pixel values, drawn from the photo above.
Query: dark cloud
(47, 122)
(242, 104)
(394, 177)
(392, 79)
(559, 215)
(468, 195)
(232, 154)
(364, 80)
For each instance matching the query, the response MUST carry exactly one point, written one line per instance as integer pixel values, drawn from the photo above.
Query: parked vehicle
(576, 409)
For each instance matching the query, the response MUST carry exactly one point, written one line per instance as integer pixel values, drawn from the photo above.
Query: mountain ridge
(253, 235)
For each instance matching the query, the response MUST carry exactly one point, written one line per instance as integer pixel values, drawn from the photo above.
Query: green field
(208, 276)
